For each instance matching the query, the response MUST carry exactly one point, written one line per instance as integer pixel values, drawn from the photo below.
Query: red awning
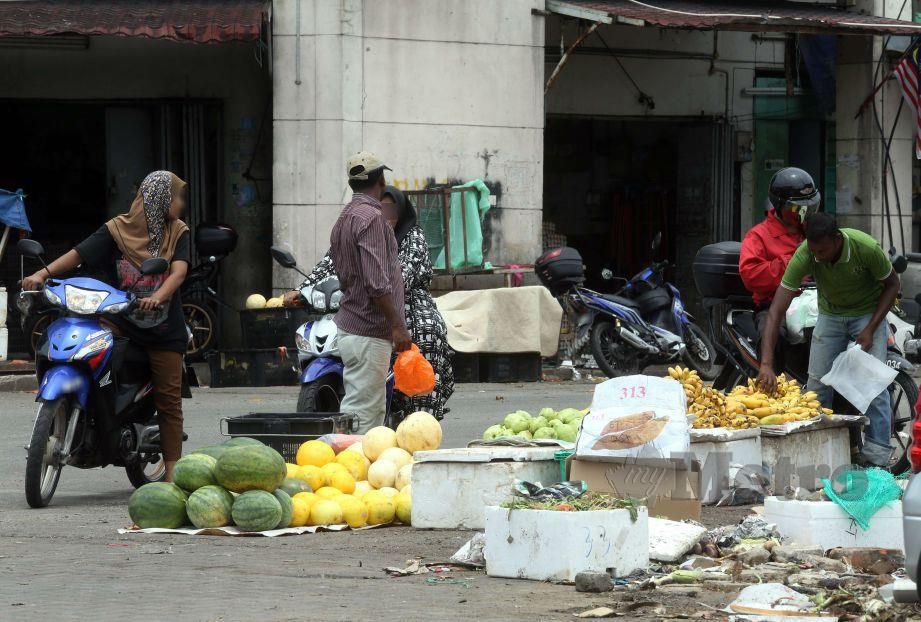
(200, 21)
(746, 15)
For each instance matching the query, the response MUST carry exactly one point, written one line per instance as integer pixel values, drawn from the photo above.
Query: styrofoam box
(452, 487)
(717, 454)
(811, 454)
(825, 524)
(544, 545)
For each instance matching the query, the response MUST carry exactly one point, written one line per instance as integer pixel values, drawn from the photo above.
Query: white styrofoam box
(669, 540)
(811, 454)
(717, 454)
(544, 545)
(2, 306)
(4, 342)
(825, 524)
(452, 487)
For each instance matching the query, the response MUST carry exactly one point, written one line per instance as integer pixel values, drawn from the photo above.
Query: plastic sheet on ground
(234, 531)
(769, 602)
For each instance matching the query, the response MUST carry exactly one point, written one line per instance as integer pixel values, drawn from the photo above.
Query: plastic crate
(285, 432)
(253, 368)
(466, 368)
(271, 328)
(561, 457)
(525, 367)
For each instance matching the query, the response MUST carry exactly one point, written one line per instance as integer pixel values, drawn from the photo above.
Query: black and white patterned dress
(423, 320)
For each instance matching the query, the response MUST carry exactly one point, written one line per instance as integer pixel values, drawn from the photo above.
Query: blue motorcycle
(644, 323)
(95, 396)
(321, 368)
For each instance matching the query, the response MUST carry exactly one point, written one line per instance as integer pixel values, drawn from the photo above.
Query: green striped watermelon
(293, 485)
(158, 505)
(242, 441)
(256, 510)
(251, 468)
(215, 451)
(287, 509)
(194, 471)
(210, 506)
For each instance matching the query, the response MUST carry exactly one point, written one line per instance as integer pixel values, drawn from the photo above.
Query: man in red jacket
(768, 246)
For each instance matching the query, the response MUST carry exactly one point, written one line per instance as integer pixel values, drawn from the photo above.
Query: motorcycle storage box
(214, 239)
(559, 269)
(716, 271)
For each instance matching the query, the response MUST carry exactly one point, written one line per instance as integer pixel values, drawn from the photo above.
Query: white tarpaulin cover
(509, 320)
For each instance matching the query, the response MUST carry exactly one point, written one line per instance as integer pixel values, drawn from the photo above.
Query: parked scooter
(733, 328)
(644, 323)
(321, 368)
(95, 394)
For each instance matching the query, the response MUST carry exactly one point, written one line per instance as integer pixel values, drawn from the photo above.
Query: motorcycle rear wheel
(44, 462)
(146, 472)
(903, 393)
(614, 357)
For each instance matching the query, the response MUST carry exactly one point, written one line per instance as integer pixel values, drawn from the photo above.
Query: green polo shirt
(851, 287)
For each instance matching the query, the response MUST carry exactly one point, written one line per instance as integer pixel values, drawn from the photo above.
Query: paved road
(66, 562)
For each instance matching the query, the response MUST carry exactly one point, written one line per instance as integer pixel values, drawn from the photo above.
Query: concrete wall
(687, 73)
(116, 68)
(440, 89)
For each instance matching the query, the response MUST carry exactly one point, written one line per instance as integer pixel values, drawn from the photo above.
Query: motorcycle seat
(624, 302)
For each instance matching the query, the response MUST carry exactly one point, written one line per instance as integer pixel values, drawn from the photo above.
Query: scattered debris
(870, 560)
(598, 612)
(471, 554)
(775, 599)
(669, 540)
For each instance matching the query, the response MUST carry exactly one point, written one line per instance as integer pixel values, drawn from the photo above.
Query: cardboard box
(671, 487)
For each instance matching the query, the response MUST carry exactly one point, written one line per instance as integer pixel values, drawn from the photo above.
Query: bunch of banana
(689, 379)
(785, 404)
(714, 410)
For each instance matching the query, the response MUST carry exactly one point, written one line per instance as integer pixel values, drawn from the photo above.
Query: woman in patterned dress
(425, 323)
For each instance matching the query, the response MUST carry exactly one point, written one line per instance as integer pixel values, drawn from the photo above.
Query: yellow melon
(400, 457)
(382, 473)
(419, 432)
(325, 512)
(403, 508)
(316, 453)
(404, 477)
(377, 440)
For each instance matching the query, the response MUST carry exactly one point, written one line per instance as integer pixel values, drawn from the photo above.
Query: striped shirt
(364, 251)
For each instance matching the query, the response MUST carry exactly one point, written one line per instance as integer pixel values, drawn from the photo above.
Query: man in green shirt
(857, 287)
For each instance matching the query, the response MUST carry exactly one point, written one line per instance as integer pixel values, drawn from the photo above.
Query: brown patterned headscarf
(146, 231)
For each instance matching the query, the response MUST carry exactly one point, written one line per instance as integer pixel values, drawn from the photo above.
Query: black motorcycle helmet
(794, 195)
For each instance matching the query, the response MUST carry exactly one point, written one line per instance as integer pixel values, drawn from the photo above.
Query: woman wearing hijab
(116, 251)
(425, 323)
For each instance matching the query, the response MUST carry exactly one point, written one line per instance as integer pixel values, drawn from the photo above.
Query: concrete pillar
(861, 148)
(441, 93)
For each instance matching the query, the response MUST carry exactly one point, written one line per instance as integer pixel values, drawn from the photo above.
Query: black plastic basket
(285, 432)
(273, 327)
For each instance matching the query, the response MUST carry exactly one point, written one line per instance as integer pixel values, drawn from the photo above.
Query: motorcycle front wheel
(146, 471)
(614, 357)
(45, 462)
(699, 352)
(323, 395)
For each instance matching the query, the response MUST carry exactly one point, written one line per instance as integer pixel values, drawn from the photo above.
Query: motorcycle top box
(716, 271)
(559, 269)
(215, 239)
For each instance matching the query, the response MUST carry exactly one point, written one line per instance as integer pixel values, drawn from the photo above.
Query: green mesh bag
(861, 493)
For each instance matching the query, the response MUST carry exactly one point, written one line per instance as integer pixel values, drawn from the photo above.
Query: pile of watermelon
(241, 482)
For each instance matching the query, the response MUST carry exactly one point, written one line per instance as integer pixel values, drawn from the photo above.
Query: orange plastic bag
(412, 374)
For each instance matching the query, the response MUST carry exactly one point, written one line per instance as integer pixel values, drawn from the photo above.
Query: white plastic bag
(636, 417)
(859, 377)
(802, 314)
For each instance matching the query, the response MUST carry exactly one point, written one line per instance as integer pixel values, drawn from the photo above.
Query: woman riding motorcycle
(151, 228)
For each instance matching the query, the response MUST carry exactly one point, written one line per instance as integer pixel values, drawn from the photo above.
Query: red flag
(907, 74)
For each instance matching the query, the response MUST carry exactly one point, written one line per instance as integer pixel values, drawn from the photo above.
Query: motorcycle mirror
(154, 265)
(900, 264)
(284, 257)
(30, 248)
(657, 240)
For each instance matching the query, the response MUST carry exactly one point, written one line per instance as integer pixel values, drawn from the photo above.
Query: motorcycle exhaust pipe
(636, 341)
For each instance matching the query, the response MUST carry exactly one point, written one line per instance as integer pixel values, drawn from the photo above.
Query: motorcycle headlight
(51, 297)
(83, 301)
(334, 300)
(301, 343)
(116, 308)
(318, 301)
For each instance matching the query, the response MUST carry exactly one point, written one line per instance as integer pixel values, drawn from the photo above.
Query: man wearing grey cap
(370, 319)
